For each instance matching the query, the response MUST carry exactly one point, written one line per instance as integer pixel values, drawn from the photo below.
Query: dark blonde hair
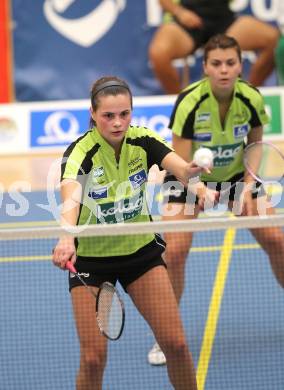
(221, 41)
(105, 86)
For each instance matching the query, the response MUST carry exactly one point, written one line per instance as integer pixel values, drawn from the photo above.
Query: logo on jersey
(82, 274)
(172, 191)
(203, 117)
(241, 131)
(241, 116)
(225, 154)
(98, 193)
(98, 172)
(120, 211)
(138, 179)
(135, 168)
(135, 161)
(202, 137)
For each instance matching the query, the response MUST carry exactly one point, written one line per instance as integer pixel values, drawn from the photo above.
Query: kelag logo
(155, 118)
(225, 154)
(120, 211)
(57, 128)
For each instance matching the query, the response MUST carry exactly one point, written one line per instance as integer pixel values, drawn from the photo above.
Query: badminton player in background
(220, 112)
(193, 23)
(104, 175)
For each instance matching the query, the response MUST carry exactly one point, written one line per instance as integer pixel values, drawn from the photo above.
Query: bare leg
(178, 246)
(153, 295)
(170, 42)
(93, 346)
(255, 35)
(271, 240)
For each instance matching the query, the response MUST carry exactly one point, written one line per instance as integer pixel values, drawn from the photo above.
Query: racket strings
(110, 312)
(264, 162)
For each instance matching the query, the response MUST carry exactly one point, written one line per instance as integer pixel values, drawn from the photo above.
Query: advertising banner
(273, 104)
(68, 44)
(56, 125)
(51, 126)
(14, 128)
(61, 47)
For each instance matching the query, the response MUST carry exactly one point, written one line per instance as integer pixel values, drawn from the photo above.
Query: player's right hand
(64, 251)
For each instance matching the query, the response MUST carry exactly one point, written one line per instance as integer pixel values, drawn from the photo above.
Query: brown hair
(107, 85)
(221, 41)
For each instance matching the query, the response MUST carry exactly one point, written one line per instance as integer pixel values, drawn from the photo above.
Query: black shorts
(125, 269)
(211, 26)
(175, 192)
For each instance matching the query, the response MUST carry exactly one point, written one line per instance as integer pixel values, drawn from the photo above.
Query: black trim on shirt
(155, 150)
(188, 127)
(180, 97)
(67, 153)
(242, 81)
(85, 169)
(254, 120)
(87, 163)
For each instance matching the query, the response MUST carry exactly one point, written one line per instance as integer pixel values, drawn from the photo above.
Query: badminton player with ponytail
(224, 113)
(103, 180)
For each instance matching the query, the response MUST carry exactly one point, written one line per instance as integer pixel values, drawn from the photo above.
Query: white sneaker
(156, 357)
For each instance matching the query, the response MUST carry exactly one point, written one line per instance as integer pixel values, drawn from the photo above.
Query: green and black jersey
(196, 117)
(113, 192)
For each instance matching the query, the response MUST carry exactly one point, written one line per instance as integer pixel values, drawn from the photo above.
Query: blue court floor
(232, 308)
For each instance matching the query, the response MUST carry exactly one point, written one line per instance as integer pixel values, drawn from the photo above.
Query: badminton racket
(264, 161)
(110, 312)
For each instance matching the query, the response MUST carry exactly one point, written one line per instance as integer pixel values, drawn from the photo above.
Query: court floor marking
(8, 225)
(214, 308)
(16, 259)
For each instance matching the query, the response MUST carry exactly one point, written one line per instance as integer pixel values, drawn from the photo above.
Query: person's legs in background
(169, 43)
(271, 239)
(258, 36)
(177, 249)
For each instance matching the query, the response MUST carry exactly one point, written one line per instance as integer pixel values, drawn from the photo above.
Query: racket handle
(70, 267)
